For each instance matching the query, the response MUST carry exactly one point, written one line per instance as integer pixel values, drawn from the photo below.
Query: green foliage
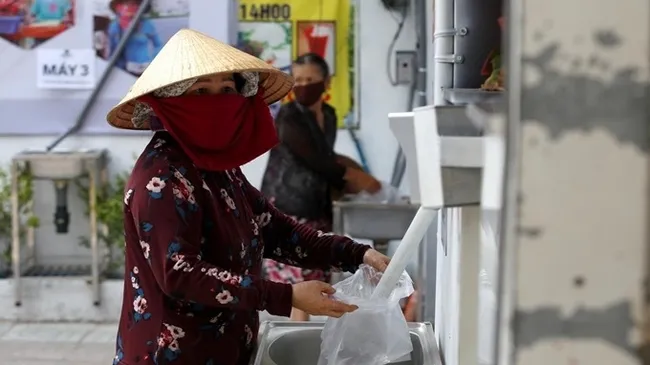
(110, 201)
(25, 199)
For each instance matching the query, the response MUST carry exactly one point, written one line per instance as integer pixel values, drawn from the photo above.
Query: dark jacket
(302, 168)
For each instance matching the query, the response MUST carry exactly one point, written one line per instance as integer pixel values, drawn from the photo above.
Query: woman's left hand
(376, 260)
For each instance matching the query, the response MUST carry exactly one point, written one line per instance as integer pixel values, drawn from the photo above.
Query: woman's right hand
(312, 297)
(358, 181)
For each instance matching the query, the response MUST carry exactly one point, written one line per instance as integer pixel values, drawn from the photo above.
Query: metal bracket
(451, 32)
(451, 58)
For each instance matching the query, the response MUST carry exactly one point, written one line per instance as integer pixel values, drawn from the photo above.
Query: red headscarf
(218, 132)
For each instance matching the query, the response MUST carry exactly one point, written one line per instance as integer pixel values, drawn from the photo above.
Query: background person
(303, 169)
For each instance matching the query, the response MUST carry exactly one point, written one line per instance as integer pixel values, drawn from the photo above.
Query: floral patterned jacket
(194, 247)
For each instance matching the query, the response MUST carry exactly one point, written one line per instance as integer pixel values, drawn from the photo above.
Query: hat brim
(275, 83)
(190, 54)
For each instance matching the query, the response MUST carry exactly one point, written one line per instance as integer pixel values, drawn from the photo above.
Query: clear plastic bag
(388, 194)
(374, 334)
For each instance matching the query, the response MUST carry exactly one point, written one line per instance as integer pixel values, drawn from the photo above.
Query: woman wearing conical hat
(196, 229)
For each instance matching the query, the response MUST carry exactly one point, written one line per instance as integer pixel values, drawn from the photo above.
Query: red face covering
(309, 94)
(218, 132)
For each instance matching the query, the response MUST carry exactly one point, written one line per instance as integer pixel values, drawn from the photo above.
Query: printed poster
(279, 31)
(161, 21)
(30, 23)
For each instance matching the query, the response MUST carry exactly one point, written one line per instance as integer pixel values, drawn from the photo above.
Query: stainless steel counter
(373, 221)
(298, 343)
(378, 222)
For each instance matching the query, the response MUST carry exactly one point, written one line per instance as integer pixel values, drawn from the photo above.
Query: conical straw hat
(190, 54)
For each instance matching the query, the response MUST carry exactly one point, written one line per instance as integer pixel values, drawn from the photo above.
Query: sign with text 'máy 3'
(65, 69)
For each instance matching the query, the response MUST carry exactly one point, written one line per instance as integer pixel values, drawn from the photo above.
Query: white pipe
(443, 46)
(407, 248)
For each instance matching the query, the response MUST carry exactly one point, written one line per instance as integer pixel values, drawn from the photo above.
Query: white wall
(378, 98)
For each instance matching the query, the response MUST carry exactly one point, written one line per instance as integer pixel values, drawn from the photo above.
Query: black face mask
(309, 94)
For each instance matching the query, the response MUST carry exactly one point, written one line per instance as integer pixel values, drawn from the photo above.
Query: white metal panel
(447, 285)
(429, 156)
(401, 124)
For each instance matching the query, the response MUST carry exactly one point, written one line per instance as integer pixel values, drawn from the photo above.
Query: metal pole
(444, 33)
(94, 239)
(15, 234)
(103, 78)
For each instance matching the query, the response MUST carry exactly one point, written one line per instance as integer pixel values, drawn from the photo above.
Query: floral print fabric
(281, 273)
(195, 242)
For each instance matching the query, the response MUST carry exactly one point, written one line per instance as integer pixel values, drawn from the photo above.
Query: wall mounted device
(405, 64)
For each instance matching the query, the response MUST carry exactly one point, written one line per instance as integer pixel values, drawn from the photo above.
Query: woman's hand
(376, 260)
(312, 298)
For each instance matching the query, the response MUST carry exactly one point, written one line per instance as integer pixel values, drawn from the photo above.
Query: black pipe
(104, 77)
(61, 214)
(421, 16)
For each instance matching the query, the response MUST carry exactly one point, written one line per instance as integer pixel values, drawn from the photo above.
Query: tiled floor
(62, 343)
(56, 344)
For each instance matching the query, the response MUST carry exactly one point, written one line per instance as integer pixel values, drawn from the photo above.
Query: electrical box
(405, 67)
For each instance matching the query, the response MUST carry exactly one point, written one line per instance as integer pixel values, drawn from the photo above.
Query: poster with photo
(30, 23)
(272, 42)
(112, 17)
(278, 31)
(318, 38)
